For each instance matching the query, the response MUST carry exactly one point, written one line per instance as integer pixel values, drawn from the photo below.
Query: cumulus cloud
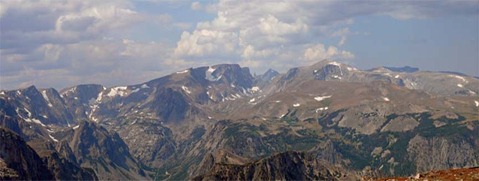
(259, 34)
(62, 43)
(70, 42)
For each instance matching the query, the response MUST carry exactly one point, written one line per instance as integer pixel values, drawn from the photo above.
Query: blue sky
(120, 42)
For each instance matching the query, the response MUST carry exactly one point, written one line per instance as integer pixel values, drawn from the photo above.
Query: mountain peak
(406, 69)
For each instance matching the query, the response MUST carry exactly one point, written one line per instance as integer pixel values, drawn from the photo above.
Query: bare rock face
(20, 162)
(104, 152)
(441, 153)
(283, 166)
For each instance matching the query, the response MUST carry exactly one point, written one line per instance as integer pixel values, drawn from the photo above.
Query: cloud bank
(63, 43)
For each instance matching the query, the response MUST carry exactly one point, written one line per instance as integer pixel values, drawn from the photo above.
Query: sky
(123, 42)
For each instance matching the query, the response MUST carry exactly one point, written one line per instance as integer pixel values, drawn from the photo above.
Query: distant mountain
(384, 122)
(406, 69)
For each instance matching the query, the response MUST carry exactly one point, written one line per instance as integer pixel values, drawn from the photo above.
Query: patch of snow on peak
(386, 99)
(182, 72)
(459, 77)
(121, 91)
(322, 109)
(477, 103)
(144, 86)
(76, 127)
(35, 121)
(320, 98)
(55, 140)
(186, 89)
(296, 105)
(278, 101)
(255, 89)
(28, 112)
(397, 76)
(44, 94)
(100, 96)
(334, 63)
(252, 100)
(315, 71)
(337, 77)
(135, 90)
(70, 90)
(460, 85)
(210, 70)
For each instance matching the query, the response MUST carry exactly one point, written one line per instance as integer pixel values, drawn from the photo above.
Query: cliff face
(441, 153)
(18, 161)
(106, 153)
(283, 166)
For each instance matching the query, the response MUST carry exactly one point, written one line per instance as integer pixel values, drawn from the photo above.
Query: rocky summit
(327, 121)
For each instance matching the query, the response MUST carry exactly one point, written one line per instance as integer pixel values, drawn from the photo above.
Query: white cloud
(196, 5)
(60, 43)
(319, 52)
(258, 34)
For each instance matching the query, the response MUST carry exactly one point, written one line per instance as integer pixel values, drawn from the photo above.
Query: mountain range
(328, 121)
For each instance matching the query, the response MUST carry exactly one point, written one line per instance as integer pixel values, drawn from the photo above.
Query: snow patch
(76, 127)
(459, 77)
(182, 72)
(144, 86)
(121, 91)
(210, 70)
(186, 89)
(133, 122)
(337, 77)
(252, 100)
(334, 63)
(255, 89)
(460, 85)
(397, 76)
(296, 105)
(28, 112)
(44, 94)
(386, 99)
(55, 140)
(135, 90)
(72, 90)
(320, 98)
(277, 101)
(322, 109)
(477, 103)
(100, 96)
(34, 121)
